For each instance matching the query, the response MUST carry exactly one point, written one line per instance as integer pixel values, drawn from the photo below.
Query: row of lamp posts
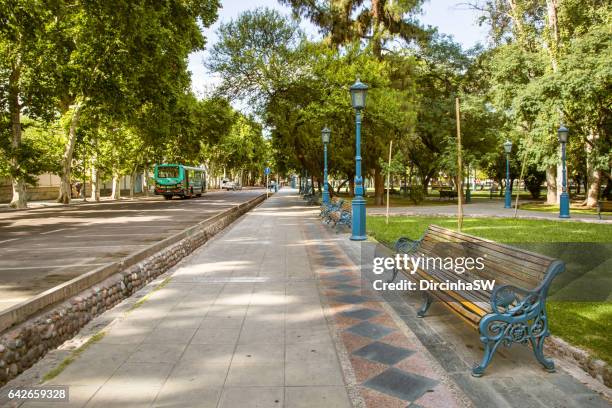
(359, 91)
(564, 204)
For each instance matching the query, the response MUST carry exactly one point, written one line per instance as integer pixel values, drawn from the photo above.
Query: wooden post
(459, 169)
(389, 178)
(518, 190)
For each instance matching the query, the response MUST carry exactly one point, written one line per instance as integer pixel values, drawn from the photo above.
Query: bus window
(168, 172)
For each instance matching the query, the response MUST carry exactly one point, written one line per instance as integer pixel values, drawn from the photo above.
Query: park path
(484, 208)
(263, 315)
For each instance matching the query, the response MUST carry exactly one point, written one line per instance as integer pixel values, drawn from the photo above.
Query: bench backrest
(503, 263)
(605, 205)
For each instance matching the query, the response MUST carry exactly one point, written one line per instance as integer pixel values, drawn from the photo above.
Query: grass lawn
(506, 230)
(585, 324)
(555, 208)
(400, 201)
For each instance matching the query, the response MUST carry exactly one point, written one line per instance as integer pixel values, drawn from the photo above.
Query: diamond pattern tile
(361, 314)
(345, 287)
(370, 330)
(353, 299)
(401, 384)
(383, 353)
(339, 278)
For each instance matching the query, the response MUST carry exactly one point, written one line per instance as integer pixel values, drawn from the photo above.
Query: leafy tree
(122, 55)
(24, 85)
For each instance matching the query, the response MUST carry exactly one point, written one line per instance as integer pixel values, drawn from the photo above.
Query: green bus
(178, 180)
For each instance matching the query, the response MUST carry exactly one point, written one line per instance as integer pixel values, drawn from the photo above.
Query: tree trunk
(551, 185)
(459, 184)
(594, 175)
(132, 184)
(517, 19)
(116, 191)
(553, 29)
(379, 187)
(145, 181)
(19, 199)
(64, 188)
(342, 185)
(593, 191)
(352, 187)
(95, 184)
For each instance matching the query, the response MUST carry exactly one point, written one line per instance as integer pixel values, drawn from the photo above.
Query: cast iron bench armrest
(404, 245)
(504, 297)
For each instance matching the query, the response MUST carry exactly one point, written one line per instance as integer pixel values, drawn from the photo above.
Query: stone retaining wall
(23, 345)
(597, 369)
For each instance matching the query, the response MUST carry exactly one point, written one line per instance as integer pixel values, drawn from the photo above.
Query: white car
(228, 185)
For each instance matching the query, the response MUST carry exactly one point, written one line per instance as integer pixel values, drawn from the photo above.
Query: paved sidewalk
(240, 324)
(493, 208)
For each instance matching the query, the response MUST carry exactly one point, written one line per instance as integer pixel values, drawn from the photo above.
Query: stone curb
(32, 333)
(598, 369)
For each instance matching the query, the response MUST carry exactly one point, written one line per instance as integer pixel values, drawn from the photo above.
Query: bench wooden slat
(502, 270)
(535, 258)
(536, 269)
(520, 266)
(474, 296)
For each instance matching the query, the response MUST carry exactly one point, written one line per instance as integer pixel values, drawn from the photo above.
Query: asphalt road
(42, 248)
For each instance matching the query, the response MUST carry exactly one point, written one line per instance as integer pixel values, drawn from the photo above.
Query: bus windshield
(168, 172)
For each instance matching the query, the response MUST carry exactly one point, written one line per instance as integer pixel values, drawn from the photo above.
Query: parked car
(227, 184)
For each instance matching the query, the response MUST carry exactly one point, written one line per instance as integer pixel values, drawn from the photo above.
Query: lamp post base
(325, 197)
(358, 238)
(358, 219)
(564, 206)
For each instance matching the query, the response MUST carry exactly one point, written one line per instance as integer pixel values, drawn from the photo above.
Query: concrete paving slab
(183, 396)
(252, 397)
(322, 396)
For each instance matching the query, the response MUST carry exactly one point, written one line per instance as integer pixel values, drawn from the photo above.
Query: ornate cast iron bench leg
(538, 349)
(425, 305)
(490, 347)
(395, 271)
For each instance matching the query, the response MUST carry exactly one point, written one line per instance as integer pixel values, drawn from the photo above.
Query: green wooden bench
(514, 311)
(603, 206)
(342, 216)
(447, 193)
(328, 209)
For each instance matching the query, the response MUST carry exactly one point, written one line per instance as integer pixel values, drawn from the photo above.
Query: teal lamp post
(359, 91)
(325, 134)
(564, 204)
(508, 150)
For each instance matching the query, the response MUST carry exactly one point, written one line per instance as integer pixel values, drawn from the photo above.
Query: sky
(448, 15)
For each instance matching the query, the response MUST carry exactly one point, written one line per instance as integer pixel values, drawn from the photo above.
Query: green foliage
(39, 151)
(540, 78)
(533, 181)
(123, 66)
(298, 87)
